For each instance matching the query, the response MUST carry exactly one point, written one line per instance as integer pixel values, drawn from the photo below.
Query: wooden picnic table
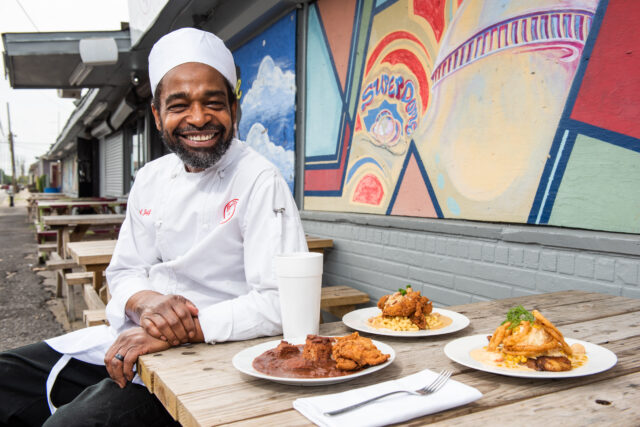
(318, 244)
(93, 256)
(72, 228)
(199, 386)
(64, 207)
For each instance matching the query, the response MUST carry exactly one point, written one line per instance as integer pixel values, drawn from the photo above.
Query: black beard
(198, 158)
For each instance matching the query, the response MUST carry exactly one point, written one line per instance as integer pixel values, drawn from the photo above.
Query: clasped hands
(165, 321)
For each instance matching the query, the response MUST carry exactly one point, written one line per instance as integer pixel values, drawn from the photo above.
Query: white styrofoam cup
(300, 285)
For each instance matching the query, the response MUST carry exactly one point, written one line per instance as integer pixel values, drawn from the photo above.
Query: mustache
(207, 127)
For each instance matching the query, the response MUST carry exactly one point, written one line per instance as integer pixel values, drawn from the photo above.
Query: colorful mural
(481, 110)
(267, 89)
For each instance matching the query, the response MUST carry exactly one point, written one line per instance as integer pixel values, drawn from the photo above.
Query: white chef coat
(209, 236)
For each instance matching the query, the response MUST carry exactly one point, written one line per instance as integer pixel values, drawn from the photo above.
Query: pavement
(29, 310)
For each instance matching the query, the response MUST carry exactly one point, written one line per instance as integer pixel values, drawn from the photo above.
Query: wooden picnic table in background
(198, 385)
(318, 244)
(64, 207)
(93, 256)
(72, 228)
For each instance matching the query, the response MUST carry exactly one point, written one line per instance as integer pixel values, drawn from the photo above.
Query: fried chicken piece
(411, 305)
(317, 348)
(355, 352)
(550, 363)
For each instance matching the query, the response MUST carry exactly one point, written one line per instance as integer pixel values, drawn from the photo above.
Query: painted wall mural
(266, 71)
(483, 110)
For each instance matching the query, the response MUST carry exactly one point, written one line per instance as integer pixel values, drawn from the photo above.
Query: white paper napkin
(389, 410)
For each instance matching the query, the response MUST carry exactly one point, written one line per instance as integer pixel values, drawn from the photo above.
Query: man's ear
(156, 116)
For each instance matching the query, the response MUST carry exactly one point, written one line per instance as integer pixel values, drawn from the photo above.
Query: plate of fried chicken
(314, 359)
(405, 313)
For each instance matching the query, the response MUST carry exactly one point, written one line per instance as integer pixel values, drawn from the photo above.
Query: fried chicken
(411, 305)
(355, 352)
(549, 363)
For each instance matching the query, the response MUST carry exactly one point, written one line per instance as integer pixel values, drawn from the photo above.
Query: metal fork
(436, 385)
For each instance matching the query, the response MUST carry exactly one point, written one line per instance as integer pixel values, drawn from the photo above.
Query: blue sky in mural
(268, 86)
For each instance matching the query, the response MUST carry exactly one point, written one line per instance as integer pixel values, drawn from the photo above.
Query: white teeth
(199, 138)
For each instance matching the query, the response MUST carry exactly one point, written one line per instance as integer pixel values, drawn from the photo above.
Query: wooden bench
(47, 247)
(94, 317)
(340, 300)
(61, 267)
(71, 280)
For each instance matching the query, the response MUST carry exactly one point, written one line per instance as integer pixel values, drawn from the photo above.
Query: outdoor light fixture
(99, 51)
(97, 110)
(79, 74)
(120, 114)
(93, 52)
(101, 130)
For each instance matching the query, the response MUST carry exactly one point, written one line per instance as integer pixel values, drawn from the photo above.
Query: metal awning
(49, 60)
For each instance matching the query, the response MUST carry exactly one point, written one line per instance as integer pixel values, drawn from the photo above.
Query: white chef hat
(190, 45)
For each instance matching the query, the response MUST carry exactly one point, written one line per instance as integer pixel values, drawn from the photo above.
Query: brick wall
(457, 262)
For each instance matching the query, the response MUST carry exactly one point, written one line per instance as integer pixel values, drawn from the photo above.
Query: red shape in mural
(391, 37)
(413, 197)
(369, 190)
(337, 19)
(433, 12)
(328, 179)
(608, 96)
(411, 61)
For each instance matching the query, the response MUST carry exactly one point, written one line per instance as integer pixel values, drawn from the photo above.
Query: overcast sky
(37, 116)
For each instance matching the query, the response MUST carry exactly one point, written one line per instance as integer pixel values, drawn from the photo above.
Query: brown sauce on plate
(288, 360)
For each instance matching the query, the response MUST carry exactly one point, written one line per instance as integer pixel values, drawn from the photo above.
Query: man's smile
(200, 139)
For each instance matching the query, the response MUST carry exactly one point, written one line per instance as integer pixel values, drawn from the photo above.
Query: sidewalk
(29, 311)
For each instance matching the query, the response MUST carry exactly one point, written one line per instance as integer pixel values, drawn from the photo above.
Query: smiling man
(193, 261)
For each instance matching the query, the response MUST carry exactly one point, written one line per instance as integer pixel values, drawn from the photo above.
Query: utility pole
(13, 161)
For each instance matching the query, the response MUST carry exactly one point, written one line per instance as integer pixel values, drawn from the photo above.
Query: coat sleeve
(271, 225)
(128, 272)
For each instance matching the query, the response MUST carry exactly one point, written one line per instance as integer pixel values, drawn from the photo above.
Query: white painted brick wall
(454, 269)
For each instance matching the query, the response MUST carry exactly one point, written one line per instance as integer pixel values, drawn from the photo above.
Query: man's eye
(174, 107)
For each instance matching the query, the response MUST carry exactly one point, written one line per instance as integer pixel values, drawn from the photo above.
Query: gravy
(287, 361)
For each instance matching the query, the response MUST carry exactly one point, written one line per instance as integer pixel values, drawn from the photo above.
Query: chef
(193, 261)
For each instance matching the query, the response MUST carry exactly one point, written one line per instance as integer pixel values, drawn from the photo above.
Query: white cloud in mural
(270, 100)
(258, 139)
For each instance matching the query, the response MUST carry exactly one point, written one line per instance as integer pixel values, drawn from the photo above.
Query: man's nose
(197, 115)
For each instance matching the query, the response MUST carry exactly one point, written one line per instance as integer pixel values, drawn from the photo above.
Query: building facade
(474, 149)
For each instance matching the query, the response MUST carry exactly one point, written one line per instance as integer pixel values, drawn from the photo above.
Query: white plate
(243, 361)
(357, 319)
(599, 359)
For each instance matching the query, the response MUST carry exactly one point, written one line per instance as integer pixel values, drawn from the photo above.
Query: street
(27, 300)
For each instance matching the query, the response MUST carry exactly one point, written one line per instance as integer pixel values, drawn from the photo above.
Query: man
(193, 261)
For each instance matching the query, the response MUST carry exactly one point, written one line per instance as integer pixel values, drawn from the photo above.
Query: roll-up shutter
(114, 165)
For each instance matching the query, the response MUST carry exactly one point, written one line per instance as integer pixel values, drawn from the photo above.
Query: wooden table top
(199, 386)
(91, 252)
(89, 219)
(103, 250)
(73, 203)
(318, 242)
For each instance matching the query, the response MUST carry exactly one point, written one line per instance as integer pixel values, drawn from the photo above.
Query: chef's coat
(209, 236)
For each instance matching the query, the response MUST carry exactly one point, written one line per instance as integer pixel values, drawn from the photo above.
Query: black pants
(83, 393)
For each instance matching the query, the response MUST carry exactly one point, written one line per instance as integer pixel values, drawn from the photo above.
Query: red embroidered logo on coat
(228, 211)
(145, 212)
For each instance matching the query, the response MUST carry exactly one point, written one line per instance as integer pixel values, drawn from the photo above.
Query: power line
(28, 17)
